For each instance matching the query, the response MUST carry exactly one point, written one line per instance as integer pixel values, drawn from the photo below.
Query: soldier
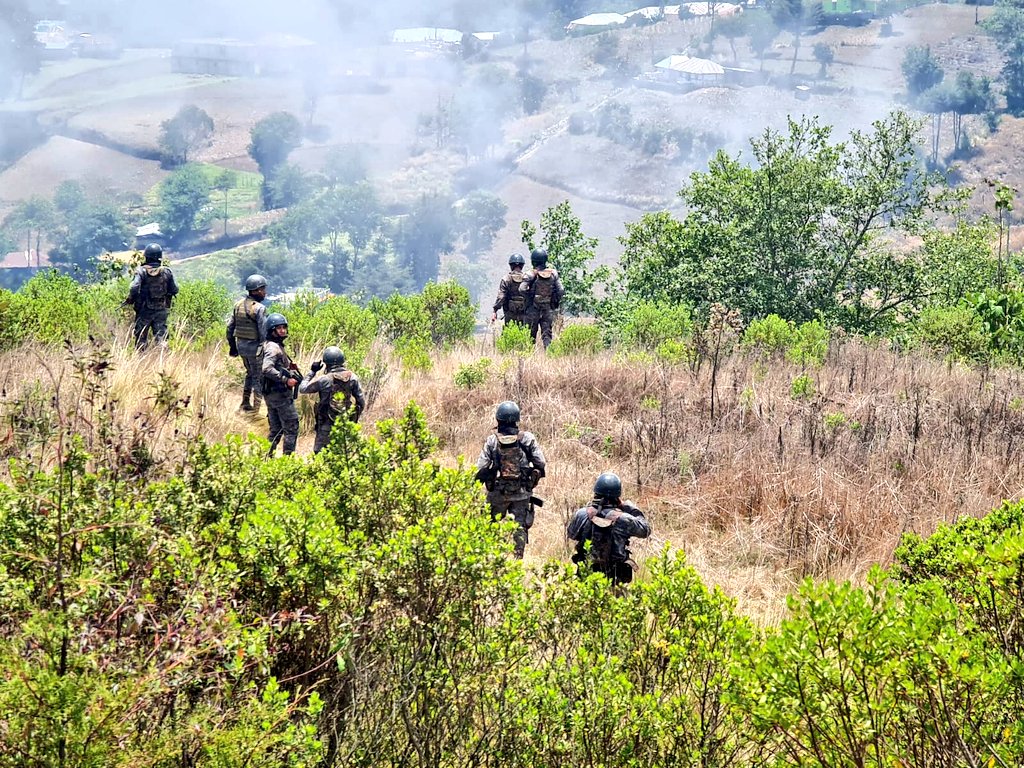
(510, 465)
(340, 394)
(608, 523)
(280, 378)
(510, 300)
(543, 290)
(151, 292)
(246, 336)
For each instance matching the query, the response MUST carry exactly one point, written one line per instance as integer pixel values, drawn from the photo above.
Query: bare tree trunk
(796, 52)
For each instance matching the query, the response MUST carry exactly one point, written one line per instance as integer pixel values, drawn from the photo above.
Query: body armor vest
(246, 327)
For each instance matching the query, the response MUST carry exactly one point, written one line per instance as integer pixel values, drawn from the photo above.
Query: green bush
(199, 312)
(651, 324)
(473, 375)
(809, 344)
(51, 308)
(577, 339)
(769, 334)
(451, 311)
(956, 332)
(802, 388)
(514, 338)
(315, 323)
(401, 317)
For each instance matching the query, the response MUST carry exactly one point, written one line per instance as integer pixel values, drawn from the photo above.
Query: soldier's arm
(527, 284)
(271, 361)
(502, 294)
(309, 387)
(172, 286)
(534, 453)
(559, 289)
(133, 289)
(357, 395)
(261, 319)
(576, 529)
(634, 522)
(485, 464)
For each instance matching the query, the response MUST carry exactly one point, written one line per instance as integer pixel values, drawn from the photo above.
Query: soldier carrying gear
(151, 292)
(246, 336)
(608, 523)
(510, 300)
(340, 394)
(544, 292)
(510, 465)
(280, 377)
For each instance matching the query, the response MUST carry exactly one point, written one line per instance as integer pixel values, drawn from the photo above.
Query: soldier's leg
(250, 377)
(323, 435)
(274, 422)
(499, 505)
(257, 382)
(141, 329)
(533, 321)
(522, 513)
(159, 326)
(547, 321)
(290, 425)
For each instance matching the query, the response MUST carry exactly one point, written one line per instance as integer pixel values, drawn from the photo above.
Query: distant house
(430, 37)
(54, 37)
(271, 55)
(596, 22)
(149, 233)
(689, 69)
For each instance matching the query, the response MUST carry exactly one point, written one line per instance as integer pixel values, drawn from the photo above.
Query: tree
(345, 165)
(423, 235)
(272, 139)
(793, 16)
(920, 70)
(190, 129)
(31, 217)
(281, 267)
(936, 101)
(570, 252)
(732, 27)
(288, 186)
(763, 32)
(92, 227)
(1006, 25)
(970, 96)
(226, 181)
(480, 217)
(351, 211)
(798, 232)
(183, 196)
(20, 53)
(532, 91)
(824, 55)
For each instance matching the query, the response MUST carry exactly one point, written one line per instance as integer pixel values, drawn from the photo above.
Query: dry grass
(772, 490)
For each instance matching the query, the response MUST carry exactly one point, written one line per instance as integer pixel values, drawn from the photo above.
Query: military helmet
(507, 413)
(333, 357)
(608, 486)
(516, 260)
(275, 320)
(539, 257)
(153, 253)
(255, 282)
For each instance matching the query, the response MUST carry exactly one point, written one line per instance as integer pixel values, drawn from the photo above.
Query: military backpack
(544, 288)
(514, 298)
(154, 287)
(511, 462)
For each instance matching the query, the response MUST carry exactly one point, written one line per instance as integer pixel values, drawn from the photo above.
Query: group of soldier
(511, 463)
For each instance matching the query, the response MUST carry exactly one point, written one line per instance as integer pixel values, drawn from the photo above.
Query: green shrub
(51, 308)
(802, 388)
(451, 312)
(577, 339)
(651, 324)
(514, 338)
(675, 352)
(199, 312)
(314, 323)
(809, 344)
(401, 317)
(769, 334)
(472, 375)
(957, 332)
(414, 354)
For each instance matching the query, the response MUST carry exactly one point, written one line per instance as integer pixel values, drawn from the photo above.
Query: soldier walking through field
(511, 301)
(246, 336)
(280, 379)
(151, 293)
(340, 394)
(544, 292)
(510, 466)
(607, 524)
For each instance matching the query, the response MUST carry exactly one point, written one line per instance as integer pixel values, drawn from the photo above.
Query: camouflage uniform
(247, 335)
(338, 390)
(609, 537)
(151, 292)
(281, 413)
(510, 466)
(544, 292)
(510, 301)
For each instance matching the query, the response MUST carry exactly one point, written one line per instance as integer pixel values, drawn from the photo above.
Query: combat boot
(245, 406)
(257, 401)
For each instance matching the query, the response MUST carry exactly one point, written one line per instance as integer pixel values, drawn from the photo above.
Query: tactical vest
(543, 287)
(154, 286)
(515, 300)
(246, 327)
(602, 541)
(511, 463)
(339, 400)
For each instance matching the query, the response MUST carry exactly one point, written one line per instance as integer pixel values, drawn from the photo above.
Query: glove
(232, 348)
(316, 365)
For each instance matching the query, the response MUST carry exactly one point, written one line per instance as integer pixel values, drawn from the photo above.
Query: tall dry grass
(772, 490)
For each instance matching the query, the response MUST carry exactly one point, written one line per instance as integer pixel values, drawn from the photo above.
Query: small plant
(747, 398)
(651, 403)
(514, 339)
(770, 334)
(802, 388)
(808, 345)
(834, 421)
(577, 339)
(652, 324)
(954, 332)
(414, 355)
(473, 375)
(675, 352)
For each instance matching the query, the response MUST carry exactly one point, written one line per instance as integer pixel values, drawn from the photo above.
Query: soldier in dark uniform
(280, 378)
(608, 523)
(510, 465)
(151, 292)
(510, 300)
(246, 336)
(543, 290)
(340, 394)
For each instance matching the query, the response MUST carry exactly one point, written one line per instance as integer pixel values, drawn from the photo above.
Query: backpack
(544, 288)
(511, 460)
(515, 300)
(340, 400)
(154, 287)
(602, 541)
